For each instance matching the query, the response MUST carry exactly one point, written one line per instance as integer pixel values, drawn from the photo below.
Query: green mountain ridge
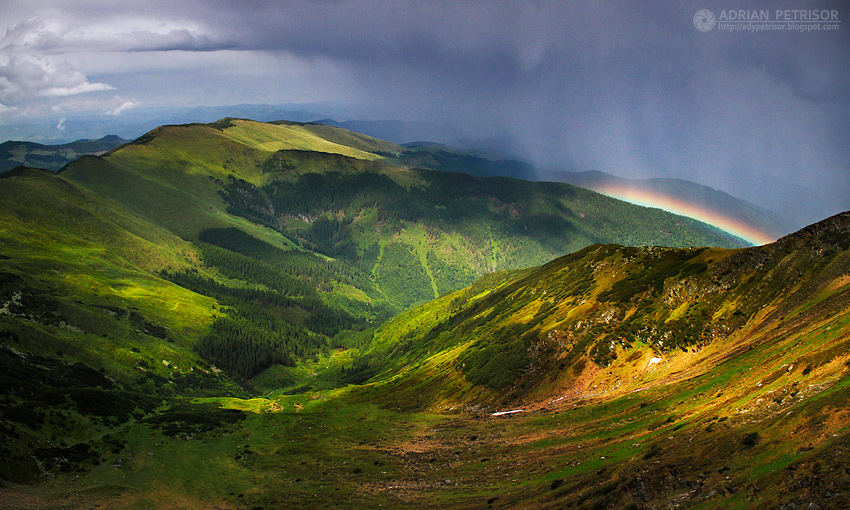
(606, 300)
(223, 315)
(707, 198)
(502, 160)
(313, 182)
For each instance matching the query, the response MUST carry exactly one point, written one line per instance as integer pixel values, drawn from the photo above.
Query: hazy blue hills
(52, 157)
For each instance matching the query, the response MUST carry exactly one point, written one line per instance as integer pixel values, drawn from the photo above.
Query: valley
(275, 315)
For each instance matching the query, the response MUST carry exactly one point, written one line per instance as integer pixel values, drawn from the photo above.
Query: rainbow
(648, 198)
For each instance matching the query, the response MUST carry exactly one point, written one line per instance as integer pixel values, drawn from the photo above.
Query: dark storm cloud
(626, 88)
(494, 43)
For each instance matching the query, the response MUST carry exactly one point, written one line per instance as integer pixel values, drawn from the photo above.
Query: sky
(627, 88)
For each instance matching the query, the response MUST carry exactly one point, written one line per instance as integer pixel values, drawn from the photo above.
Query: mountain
(199, 319)
(779, 198)
(353, 198)
(739, 217)
(251, 246)
(758, 225)
(734, 215)
(52, 157)
(303, 232)
(621, 377)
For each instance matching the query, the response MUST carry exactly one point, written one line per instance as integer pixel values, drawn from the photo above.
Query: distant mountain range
(781, 199)
(52, 157)
(753, 223)
(756, 225)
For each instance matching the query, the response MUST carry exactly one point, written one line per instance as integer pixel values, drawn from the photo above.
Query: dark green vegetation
(677, 190)
(706, 198)
(52, 157)
(219, 316)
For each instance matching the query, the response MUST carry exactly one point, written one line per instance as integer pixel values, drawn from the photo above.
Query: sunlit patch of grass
(275, 137)
(352, 139)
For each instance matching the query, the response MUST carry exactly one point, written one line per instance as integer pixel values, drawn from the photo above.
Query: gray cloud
(37, 56)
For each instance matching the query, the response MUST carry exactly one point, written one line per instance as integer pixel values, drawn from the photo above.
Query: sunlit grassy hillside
(614, 377)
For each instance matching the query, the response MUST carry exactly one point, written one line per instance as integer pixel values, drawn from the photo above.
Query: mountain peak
(112, 138)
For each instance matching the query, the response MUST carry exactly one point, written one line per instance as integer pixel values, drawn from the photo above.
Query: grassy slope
(603, 302)
(746, 415)
(701, 197)
(750, 418)
(170, 174)
(350, 139)
(62, 235)
(92, 337)
(86, 323)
